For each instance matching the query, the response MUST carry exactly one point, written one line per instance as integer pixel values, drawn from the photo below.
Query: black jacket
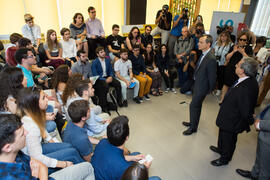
(237, 109)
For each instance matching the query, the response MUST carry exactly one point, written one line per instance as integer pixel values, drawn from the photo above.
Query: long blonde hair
(219, 43)
(28, 104)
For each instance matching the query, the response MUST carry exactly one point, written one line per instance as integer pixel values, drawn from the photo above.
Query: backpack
(112, 102)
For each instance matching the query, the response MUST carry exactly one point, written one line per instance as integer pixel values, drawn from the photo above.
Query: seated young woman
(53, 50)
(32, 104)
(152, 70)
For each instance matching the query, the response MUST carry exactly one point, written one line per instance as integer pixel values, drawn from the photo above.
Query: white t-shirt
(123, 67)
(69, 48)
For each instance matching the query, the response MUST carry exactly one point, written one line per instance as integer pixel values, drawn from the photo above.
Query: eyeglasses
(29, 19)
(32, 56)
(93, 12)
(242, 40)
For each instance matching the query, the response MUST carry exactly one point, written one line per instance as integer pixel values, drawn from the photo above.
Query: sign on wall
(220, 18)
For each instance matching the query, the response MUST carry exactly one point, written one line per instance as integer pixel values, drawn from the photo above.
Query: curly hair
(60, 75)
(130, 35)
(70, 87)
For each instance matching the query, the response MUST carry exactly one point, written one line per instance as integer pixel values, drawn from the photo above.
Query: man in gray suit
(205, 79)
(261, 169)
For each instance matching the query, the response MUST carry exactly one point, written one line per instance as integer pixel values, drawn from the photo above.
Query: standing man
(237, 109)
(163, 22)
(115, 42)
(146, 37)
(261, 168)
(205, 80)
(102, 67)
(31, 30)
(95, 32)
(179, 21)
(83, 65)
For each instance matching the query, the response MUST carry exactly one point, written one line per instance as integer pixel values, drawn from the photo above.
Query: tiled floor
(156, 129)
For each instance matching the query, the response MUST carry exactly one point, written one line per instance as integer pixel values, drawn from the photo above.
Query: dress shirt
(26, 31)
(103, 65)
(94, 27)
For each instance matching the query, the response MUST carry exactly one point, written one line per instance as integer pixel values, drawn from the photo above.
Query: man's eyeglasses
(32, 56)
(93, 12)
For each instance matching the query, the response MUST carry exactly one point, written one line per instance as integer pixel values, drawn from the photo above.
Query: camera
(191, 57)
(218, 58)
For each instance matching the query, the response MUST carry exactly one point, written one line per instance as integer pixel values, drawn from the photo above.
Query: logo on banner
(229, 22)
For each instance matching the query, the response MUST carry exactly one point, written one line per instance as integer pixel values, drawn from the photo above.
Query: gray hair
(209, 39)
(250, 66)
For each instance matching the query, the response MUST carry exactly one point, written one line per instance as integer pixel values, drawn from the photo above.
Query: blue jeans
(61, 152)
(50, 126)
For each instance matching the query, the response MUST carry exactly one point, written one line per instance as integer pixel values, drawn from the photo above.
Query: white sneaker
(218, 92)
(167, 90)
(173, 90)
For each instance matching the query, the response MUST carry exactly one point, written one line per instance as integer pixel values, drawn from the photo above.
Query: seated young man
(109, 161)
(17, 165)
(102, 67)
(74, 133)
(123, 71)
(146, 37)
(139, 71)
(115, 43)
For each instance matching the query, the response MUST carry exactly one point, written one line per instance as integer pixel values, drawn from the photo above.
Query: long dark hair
(70, 86)
(60, 75)
(130, 36)
(12, 78)
(28, 104)
(76, 15)
(136, 171)
(50, 43)
(152, 54)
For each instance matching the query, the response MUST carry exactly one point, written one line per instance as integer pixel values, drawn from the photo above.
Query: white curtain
(261, 21)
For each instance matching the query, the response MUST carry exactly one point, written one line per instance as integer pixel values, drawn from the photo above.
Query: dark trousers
(101, 90)
(169, 81)
(226, 144)
(187, 86)
(195, 109)
(93, 44)
(182, 76)
(220, 76)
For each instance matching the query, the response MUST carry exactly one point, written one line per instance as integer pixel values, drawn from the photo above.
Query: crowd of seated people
(59, 90)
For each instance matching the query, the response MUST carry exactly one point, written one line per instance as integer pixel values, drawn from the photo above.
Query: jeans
(50, 126)
(124, 87)
(61, 152)
(82, 171)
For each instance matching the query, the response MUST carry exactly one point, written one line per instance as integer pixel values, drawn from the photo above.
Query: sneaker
(125, 103)
(167, 90)
(173, 90)
(140, 99)
(218, 92)
(146, 97)
(137, 100)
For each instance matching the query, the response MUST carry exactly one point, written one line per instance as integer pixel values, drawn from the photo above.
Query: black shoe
(125, 103)
(137, 100)
(187, 124)
(214, 149)
(146, 97)
(189, 131)
(219, 162)
(120, 104)
(140, 99)
(244, 173)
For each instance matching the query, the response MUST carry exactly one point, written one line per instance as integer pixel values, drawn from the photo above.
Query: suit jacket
(98, 71)
(237, 109)
(205, 75)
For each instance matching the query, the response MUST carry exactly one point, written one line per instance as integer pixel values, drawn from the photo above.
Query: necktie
(198, 65)
(32, 34)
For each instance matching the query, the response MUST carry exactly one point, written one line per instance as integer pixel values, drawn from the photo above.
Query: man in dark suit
(236, 111)
(205, 79)
(102, 67)
(261, 169)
